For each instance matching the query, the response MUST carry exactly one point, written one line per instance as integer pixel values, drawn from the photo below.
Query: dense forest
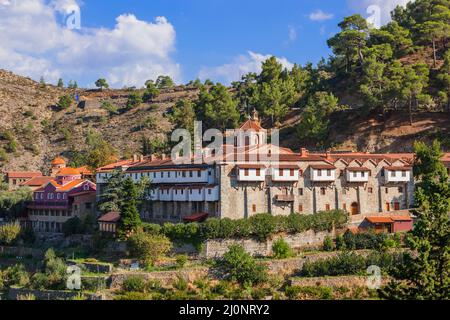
(402, 67)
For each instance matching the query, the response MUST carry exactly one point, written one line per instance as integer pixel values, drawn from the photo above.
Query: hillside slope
(28, 111)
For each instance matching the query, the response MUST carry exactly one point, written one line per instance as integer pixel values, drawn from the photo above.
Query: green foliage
(164, 82)
(349, 263)
(72, 85)
(328, 244)
(60, 83)
(281, 249)
(217, 108)
(134, 100)
(134, 284)
(65, 102)
(12, 203)
(263, 225)
(9, 233)
(14, 276)
(313, 293)
(53, 275)
(149, 248)
(239, 266)
(367, 240)
(98, 152)
(130, 219)
(76, 225)
(151, 92)
(181, 260)
(112, 109)
(183, 115)
(314, 124)
(426, 275)
(101, 83)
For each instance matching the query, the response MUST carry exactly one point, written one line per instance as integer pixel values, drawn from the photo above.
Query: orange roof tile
(19, 174)
(58, 161)
(379, 219)
(37, 181)
(68, 172)
(251, 125)
(110, 217)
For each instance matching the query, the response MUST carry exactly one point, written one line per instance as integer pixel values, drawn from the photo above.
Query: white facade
(323, 175)
(357, 176)
(251, 174)
(282, 174)
(392, 176)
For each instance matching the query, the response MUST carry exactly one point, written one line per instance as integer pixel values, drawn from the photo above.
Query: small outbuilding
(388, 224)
(108, 222)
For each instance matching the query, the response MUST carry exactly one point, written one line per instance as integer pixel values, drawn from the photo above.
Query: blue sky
(130, 41)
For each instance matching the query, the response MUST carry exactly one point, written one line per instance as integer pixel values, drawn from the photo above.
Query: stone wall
(165, 278)
(308, 239)
(49, 294)
(335, 282)
(21, 251)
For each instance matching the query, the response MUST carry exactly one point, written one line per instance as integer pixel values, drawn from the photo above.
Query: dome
(58, 161)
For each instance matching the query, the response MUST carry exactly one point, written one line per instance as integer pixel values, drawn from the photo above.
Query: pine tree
(60, 83)
(425, 271)
(130, 219)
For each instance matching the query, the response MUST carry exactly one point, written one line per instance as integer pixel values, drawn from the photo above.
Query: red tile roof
(358, 169)
(110, 217)
(252, 125)
(323, 167)
(37, 181)
(379, 219)
(18, 174)
(197, 217)
(391, 168)
(68, 172)
(251, 166)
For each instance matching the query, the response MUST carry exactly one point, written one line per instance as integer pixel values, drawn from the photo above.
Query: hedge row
(350, 263)
(260, 226)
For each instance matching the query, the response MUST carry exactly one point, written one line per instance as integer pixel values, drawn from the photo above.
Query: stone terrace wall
(334, 282)
(165, 278)
(308, 239)
(21, 251)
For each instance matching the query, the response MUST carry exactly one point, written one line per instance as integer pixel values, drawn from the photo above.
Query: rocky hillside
(41, 131)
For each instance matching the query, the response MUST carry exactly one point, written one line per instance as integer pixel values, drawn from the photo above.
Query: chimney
(153, 158)
(304, 152)
(163, 156)
(328, 154)
(141, 158)
(135, 158)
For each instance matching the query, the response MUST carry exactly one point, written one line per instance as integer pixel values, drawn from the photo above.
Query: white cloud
(319, 15)
(377, 11)
(241, 65)
(35, 44)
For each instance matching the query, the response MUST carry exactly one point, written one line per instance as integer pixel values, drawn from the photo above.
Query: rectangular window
(323, 191)
(300, 208)
(400, 189)
(191, 174)
(246, 172)
(258, 172)
(344, 206)
(327, 207)
(254, 208)
(199, 174)
(300, 173)
(292, 172)
(354, 174)
(404, 174)
(329, 173)
(393, 174)
(281, 171)
(319, 173)
(370, 190)
(387, 190)
(300, 191)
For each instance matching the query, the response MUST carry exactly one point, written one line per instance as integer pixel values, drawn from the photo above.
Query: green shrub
(65, 101)
(93, 283)
(340, 243)
(15, 276)
(239, 266)
(368, 240)
(149, 248)
(9, 233)
(132, 296)
(328, 244)
(39, 281)
(181, 260)
(281, 249)
(134, 284)
(151, 228)
(134, 100)
(263, 225)
(112, 109)
(308, 292)
(72, 226)
(346, 263)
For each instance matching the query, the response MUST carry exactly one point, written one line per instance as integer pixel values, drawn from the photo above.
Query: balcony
(251, 173)
(357, 174)
(323, 173)
(284, 198)
(48, 205)
(285, 174)
(397, 174)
